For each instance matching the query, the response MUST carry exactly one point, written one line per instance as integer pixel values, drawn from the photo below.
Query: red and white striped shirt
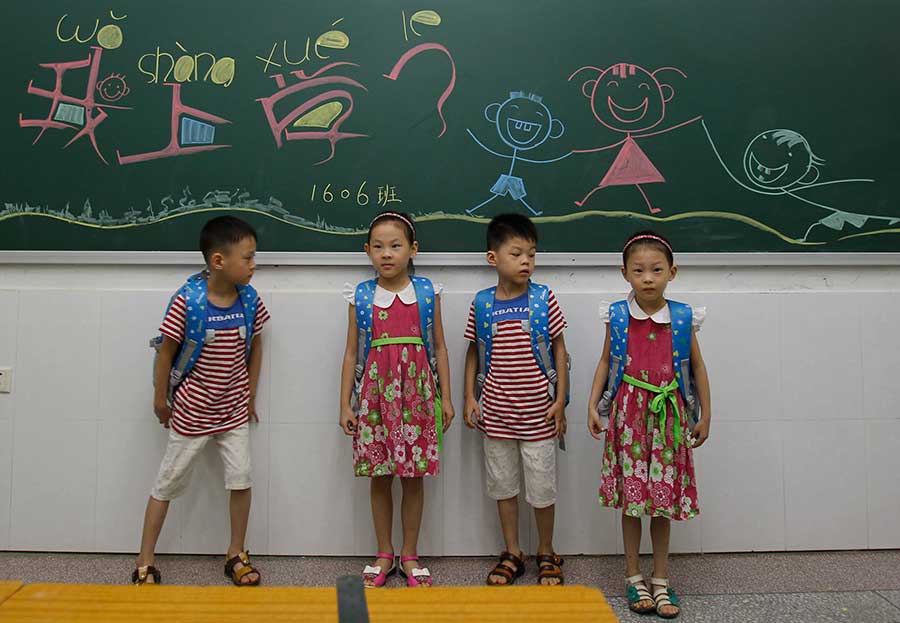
(214, 397)
(515, 397)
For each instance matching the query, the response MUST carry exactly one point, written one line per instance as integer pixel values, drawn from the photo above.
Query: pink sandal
(418, 576)
(375, 574)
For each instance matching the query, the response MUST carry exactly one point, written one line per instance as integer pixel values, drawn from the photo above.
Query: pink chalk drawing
(325, 110)
(629, 99)
(412, 53)
(197, 132)
(72, 113)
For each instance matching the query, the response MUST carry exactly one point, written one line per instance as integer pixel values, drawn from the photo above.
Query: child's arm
(443, 365)
(595, 423)
(348, 375)
(253, 368)
(557, 411)
(701, 382)
(161, 370)
(472, 412)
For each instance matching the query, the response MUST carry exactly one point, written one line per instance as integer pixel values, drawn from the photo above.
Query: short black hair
(505, 226)
(222, 232)
(648, 238)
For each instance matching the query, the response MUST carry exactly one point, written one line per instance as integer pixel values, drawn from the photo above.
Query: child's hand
(348, 421)
(447, 414)
(595, 423)
(472, 413)
(557, 414)
(701, 432)
(163, 413)
(251, 410)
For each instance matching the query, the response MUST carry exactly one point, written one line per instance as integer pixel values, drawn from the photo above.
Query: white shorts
(181, 452)
(538, 458)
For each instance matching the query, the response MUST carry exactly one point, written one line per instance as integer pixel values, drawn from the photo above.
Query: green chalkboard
(757, 126)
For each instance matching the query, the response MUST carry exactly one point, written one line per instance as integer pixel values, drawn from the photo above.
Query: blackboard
(760, 126)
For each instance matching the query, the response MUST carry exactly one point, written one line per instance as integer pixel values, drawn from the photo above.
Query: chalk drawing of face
(523, 122)
(113, 88)
(779, 159)
(628, 98)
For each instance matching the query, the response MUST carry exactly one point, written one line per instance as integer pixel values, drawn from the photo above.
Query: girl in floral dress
(391, 403)
(648, 467)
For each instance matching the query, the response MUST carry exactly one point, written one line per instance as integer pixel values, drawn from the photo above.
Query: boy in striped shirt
(216, 400)
(519, 419)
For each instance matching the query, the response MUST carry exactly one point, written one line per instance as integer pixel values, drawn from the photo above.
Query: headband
(395, 215)
(648, 237)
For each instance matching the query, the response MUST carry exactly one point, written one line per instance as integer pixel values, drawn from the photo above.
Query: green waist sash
(658, 404)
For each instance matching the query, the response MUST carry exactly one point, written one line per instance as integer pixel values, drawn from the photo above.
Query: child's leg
(382, 518)
(171, 481)
(234, 450)
(539, 468)
(411, 509)
(154, 517)
(660, 528)
(501, 462)
(239, 512)
(631, 539)
(508, 510)
(382, 511)
(544, 517)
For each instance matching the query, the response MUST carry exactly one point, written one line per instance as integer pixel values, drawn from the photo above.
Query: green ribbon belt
(438, 410)
(384, 341)
(658, 404)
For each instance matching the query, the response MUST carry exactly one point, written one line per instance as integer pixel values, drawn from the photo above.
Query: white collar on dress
(662, 316)
(385, 298)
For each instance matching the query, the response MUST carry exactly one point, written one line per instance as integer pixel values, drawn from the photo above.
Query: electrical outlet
(5, 380)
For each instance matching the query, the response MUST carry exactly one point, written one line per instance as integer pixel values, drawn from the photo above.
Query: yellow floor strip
(7, 589)
(64, 603)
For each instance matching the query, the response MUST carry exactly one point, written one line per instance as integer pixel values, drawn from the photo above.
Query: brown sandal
(550, 568)
(504, 571)
(141, 574)
(240, 574)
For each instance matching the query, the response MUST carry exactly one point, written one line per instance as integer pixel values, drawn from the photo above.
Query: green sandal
(664, 596)
(636, 593)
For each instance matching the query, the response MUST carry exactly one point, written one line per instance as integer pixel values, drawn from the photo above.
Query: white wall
(803, 360)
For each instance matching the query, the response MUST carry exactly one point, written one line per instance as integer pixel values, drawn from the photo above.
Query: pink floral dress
(642, 470)
(396, 433)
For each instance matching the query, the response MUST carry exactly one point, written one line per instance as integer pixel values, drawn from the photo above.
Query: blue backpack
(682, 321)
(538, 325)
(195, 292)
(363, 299)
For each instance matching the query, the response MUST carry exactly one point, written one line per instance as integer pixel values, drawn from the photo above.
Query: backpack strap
(485, 329)
(363, 300)
(539, 328)
(618, 346)
(250, 301)
(682, 327)
(425, 301)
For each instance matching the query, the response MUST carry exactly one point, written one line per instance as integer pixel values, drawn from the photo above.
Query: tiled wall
(803, 453)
